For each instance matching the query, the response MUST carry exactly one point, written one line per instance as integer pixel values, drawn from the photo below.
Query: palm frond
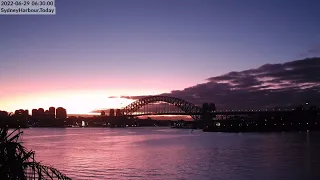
(17, 163)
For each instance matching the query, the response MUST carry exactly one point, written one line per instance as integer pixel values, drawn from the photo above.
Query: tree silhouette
(17, 163)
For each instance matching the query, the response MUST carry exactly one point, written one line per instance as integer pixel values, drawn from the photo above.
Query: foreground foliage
(17, 163)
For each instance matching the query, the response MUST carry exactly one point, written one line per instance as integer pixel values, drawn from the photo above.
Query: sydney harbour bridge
(166, 105)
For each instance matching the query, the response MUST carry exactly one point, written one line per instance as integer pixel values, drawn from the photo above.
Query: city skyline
(187, 49)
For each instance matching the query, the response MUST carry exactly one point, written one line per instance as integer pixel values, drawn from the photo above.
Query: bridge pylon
(208, 112)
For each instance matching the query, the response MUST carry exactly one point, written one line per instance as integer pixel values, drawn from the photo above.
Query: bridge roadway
(232, 112)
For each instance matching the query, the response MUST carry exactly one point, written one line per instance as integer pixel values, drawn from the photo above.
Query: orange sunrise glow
(76, 102)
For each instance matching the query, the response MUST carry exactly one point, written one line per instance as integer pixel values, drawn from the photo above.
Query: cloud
(111, 97)
(133, 97)
(268, 86)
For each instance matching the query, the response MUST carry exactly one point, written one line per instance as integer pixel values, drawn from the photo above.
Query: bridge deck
(216, 113)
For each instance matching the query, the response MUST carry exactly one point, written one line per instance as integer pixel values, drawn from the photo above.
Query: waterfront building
(52, 112)
(26, 112)
(34, 112)
(111, 112)
(61, 113)
(19, 112)
(41, 112)
(118, 112)
(4, 113)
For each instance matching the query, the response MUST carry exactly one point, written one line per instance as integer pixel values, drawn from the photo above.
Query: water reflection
(153, 153)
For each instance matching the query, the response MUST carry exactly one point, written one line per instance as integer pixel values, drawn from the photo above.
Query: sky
(91, 50)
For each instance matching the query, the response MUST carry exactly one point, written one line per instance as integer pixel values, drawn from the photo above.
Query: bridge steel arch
(185, 106)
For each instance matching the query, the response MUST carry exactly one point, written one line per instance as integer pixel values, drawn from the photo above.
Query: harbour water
(164, 153)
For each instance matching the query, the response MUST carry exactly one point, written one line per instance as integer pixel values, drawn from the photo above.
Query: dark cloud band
(271, 85)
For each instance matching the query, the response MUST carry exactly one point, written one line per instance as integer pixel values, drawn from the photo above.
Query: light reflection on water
(160, 153)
